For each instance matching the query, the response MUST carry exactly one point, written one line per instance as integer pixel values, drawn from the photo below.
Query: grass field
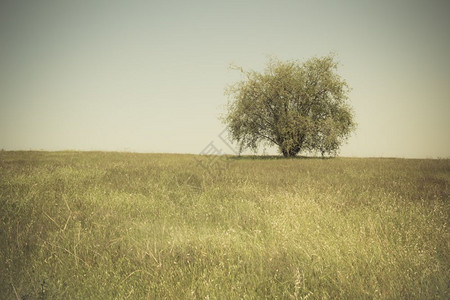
(92, 225)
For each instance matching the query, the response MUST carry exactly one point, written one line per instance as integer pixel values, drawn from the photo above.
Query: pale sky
(149, 76)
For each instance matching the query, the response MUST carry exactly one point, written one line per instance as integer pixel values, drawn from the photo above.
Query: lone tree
(298, 107)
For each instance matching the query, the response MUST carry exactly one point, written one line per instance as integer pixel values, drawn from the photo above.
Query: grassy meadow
(94, 225)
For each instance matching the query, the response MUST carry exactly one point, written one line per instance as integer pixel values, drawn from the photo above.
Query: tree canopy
(299, 107)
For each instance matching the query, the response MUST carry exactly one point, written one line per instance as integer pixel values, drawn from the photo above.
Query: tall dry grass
(121, 225)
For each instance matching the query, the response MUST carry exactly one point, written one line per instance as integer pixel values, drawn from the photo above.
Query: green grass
(95, 225)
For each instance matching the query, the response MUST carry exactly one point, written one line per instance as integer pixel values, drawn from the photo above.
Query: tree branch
(270, 139)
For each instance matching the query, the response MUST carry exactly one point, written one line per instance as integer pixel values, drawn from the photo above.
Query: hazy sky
(149, 76)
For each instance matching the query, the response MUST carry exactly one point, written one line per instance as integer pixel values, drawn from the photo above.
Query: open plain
(88, 225)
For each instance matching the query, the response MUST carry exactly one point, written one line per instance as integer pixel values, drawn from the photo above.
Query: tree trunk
(291, 152)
